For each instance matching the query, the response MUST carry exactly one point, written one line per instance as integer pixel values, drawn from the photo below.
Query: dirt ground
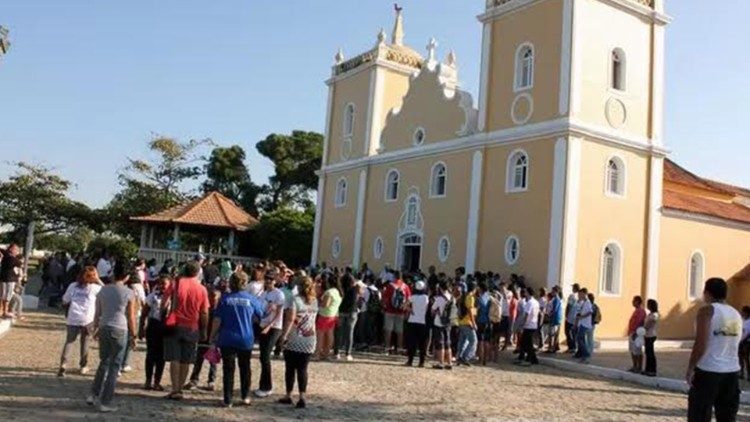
(371, 388)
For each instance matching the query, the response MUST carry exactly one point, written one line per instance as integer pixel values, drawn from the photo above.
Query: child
(154, 334)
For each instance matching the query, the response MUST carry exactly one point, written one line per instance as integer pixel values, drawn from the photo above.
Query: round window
(444, 248)
(419, 136)
(377, 248)
(512, 250)
(336, 247)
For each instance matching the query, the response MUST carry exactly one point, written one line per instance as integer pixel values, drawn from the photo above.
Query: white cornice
(627, 5)
(706, 219)
(550, 128)
(399, 68)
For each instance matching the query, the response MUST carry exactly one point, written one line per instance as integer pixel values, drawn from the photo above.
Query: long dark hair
(652, 305)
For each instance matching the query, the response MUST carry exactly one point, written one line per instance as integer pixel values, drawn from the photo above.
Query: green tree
(295, 157)
(136, 198)
(118, 247)
(227, 173)
(285, 234)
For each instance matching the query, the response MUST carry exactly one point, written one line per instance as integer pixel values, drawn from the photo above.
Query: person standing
(637, 319)
(713, 369)
(652, 321)
(104, 267)
(151, 319)
(186, 306)
(81, 300)
(270, 330)
(328, 316)
(113, 321)
(203, 346)
(442, 311)
(10, 274)
(395, 297)
(467, 326)
(232, 333)
(571, 312)
(416, 326)
(530, 325)
(299, 340)
(484, 325)
(583, 325)
(348, 313)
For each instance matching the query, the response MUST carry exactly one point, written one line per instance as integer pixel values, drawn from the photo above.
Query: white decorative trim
(433, 195)
(619, 264)
(517, 69)
(657, 87)
(388, 185)
(572, 204)
(622, 168)
(484, 76)
(557, 214)
(466, 102)
(378, 254)
(656, 183)
(576, 58)
(509, 259)
(623, 67)
(403, 70)
(701, 276)
(550, 128)
(565, 57)
(370, 107)
(338, 203)
(705, 219)
(504, 9)
(375, 121)
(336, 247)
(344, 133)
(630, 6)
(443, 257)
(472, 230)
(609, 109)
(318, 220)
(414, 140)
(510, 172)
(346, 149)
(361, 195)
(522, 120)
(329, 116)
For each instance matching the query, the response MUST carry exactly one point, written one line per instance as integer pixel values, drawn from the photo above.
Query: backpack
(399, 298)
(597, 317)
(496, 310)
(445, 316)
(374, 304)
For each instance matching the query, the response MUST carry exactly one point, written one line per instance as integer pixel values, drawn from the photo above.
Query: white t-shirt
(104, 268)
(82, 303)
(437, 308)
(153, 300)
(531, 309)
(255, 288)
(583, 309)
(505, 303)
(572, 309)
(418, 309)
(274, 299)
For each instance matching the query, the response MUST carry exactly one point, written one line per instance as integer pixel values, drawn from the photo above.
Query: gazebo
(209, 225)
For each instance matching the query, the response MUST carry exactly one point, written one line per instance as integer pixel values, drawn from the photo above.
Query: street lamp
(4, 43)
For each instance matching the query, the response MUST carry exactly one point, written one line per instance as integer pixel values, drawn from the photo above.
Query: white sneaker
(84, 370)
(126, 369)
(338, 356)
(261, 394)
(107, 409)
(91, 400)
(349, 358)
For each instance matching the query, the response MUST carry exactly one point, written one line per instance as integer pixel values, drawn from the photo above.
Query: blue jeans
(590, 340)
(467, 343)
(112, 344)
(582, 340)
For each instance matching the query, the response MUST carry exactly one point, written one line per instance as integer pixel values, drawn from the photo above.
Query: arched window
(611, 269)
(412, 209)
(524, 72)
(618, 69)
(341, 192)
(444, 248)
(615, 174)
(336, 247)
(349, 116)
(518, 172)
(512, 249)
(378, 248)
(695, 275)
(438, 180)
(391, 186)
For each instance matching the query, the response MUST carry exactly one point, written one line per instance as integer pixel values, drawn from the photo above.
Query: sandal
(174, 396)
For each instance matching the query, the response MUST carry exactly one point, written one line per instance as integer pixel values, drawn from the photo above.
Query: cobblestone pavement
(371, 388)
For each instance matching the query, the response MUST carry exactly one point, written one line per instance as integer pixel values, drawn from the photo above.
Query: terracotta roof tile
(676, 174)
(213, 210)
(700, 205)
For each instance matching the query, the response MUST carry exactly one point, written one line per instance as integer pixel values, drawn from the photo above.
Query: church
(558, 171)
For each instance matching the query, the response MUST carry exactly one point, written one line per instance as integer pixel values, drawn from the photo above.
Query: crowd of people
(203, 313)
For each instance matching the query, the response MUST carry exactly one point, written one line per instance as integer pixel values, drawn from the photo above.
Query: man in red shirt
(637, 319)
(186, 324)
(395, 298)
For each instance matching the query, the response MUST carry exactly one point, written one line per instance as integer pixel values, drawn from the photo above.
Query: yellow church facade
(558, 171)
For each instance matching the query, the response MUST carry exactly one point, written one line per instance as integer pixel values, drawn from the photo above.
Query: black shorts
(180, 345)
(484, 332)
(504, 325)
(441, 338)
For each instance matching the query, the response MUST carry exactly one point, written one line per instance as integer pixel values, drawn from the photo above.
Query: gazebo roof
(212, 210)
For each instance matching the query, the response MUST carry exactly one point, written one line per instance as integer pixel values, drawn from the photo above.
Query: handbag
(169, 310)
(213, 355)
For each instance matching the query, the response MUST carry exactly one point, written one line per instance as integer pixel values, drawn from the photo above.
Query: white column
(329, 113)
(557, 213)
(472, 230)
(657, 91)
(654, 226)
(361, 195)
(566, 56)
(176, 233)
(231, 242)
(374, 110)
(318, 219)
(576, 77)
(144, 234)
(570, 219)
(484, 76)
(151, 237)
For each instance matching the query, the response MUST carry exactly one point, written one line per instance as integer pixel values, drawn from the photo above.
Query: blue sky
(87, 83)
